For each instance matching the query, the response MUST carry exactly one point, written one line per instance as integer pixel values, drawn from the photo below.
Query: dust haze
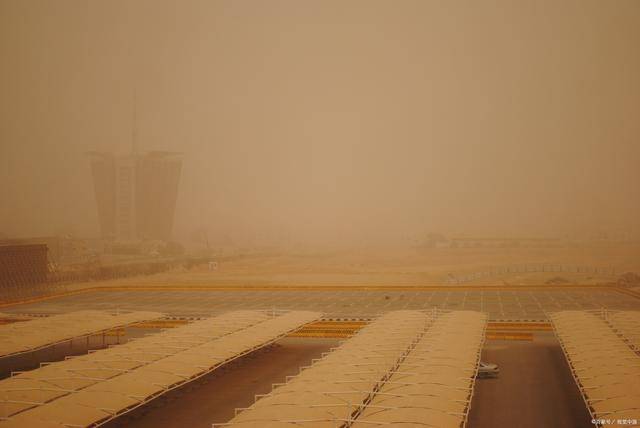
(328, 122)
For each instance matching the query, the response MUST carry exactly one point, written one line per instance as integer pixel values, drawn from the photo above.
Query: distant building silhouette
(136, 194)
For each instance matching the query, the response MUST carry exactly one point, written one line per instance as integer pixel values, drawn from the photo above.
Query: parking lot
(534, 389)
(500, 304)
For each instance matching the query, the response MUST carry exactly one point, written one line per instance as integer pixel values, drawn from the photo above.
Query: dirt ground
(395, 266)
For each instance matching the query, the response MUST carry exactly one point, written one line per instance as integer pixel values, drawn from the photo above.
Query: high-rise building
(136, 194)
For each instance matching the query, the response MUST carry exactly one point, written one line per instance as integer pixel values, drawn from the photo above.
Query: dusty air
(319, 214)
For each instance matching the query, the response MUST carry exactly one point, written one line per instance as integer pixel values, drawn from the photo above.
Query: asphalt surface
(500, 304)
(534, 389)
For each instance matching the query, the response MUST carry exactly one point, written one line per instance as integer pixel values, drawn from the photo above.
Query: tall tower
(126, 195)
(136, 195)
(156, 191)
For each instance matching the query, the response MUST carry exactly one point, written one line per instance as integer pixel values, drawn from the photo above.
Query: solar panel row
(434, 384)
(627, 323)
(27, 336)
(390, 372)
(32, 388)
(95, 388)
(335, 387)
(605, 367)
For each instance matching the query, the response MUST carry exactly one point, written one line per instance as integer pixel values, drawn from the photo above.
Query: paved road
(213, 398)
(535, 388)
(500, 304)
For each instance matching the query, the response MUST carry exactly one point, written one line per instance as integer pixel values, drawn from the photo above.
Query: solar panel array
(434, 384)
(27, 336)
(604, 365)
(627, 323)
(390, 371)
(97, 387)
(27, 389)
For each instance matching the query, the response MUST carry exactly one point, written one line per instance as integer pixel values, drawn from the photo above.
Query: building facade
(136, 194)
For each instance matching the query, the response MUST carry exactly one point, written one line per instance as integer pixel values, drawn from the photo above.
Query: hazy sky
(329, 120)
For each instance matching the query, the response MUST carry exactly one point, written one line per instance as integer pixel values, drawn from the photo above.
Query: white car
(488, 370)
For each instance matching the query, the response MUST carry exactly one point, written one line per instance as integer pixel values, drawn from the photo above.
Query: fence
(529, 268)
(23, 280)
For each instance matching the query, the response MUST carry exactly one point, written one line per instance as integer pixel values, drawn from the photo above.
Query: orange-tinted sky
(329, 120)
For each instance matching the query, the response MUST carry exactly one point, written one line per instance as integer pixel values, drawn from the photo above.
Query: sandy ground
(395, 266)
(535, 388)
(213, 398)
